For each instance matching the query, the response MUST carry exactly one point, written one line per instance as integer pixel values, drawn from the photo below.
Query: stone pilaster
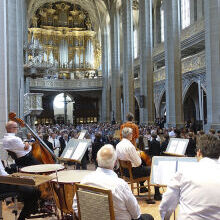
(146, 66)
(212, 45)
(105, 106)
(15, 56)
(3, 68)
(157, 23)
(193, 11)
(128, 72)
(200, 9)
(115, 65)
(174, 109)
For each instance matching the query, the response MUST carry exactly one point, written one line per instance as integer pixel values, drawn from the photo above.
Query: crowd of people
(127, 141)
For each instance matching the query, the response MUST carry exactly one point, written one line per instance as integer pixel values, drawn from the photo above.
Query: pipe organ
(63, 37)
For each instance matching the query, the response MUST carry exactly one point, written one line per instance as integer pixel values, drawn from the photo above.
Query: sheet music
(177, 146)
(185, 166)
(82, 134)
(164, 172)
(181, 147)
(163, 168)
(80, 150)
(173, 145)
(68, 153)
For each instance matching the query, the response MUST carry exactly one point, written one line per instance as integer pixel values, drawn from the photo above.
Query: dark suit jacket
(62, 145)
(50, 145)
(191, 148)
(154, 148)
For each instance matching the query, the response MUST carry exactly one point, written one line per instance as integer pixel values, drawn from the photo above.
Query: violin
(40, 150)
(145, 157)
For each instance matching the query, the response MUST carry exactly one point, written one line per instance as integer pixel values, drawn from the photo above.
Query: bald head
(11, 127)
(106, 157)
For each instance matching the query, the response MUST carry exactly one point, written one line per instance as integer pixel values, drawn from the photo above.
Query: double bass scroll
(39, 149)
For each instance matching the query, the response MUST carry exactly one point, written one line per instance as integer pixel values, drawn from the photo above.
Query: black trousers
(26, 160)
(29, 196)
(141, 171)
(145, 217)
(138, 172)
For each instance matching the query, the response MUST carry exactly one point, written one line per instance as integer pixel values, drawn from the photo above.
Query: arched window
(162, 23)
(185, 13)
(59, 101)
(135, 44)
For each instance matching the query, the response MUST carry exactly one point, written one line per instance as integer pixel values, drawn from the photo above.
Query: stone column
(105, 114)
(200, 9)
(128, 72)
(174, 108)
(146, 66)
(157, 22)
(22, 28)
(193, 11)
(15, 56)
(115, 65)
(212, 45)
(3, 67)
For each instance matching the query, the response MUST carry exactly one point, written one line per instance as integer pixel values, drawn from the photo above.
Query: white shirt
(126, 151)
(172, 134)
(2, 170)
(15, 144)
(56, 145)
(197, 191)
(125, 204)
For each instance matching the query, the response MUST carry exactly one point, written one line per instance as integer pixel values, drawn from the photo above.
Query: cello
(40, 150)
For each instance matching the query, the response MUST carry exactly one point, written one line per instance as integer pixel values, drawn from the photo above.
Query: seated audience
(191, 147)
(125, 204)
(165, 143)
(197, 189)
(47, 142)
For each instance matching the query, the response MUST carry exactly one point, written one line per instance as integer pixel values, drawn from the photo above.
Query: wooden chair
(131, 180)
(94, 203)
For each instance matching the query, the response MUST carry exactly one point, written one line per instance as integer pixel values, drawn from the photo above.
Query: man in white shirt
(28, 194)
(56, 144)
(21, 151)
(127, 151)
(197, 190)
(125, 204)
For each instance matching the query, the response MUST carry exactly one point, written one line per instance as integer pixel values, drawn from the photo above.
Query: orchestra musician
(126, 151)
(14, 144)
(28, 194)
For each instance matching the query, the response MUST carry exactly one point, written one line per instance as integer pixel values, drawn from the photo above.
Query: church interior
(76, 69)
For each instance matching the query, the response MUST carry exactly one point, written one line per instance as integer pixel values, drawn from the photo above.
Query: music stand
(177, 147)
(164, 167)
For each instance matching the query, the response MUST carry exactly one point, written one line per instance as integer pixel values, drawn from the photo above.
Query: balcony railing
(66, 84)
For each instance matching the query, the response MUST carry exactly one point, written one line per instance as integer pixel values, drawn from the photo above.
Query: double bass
(40, 150)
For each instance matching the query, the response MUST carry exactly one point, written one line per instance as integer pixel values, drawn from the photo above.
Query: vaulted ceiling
(97, 9)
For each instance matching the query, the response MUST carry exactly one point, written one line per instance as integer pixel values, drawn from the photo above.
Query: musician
(133, 126)
(14, 144)
(126, 151)
(196, 190)
(28, 194)
(125, 204)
